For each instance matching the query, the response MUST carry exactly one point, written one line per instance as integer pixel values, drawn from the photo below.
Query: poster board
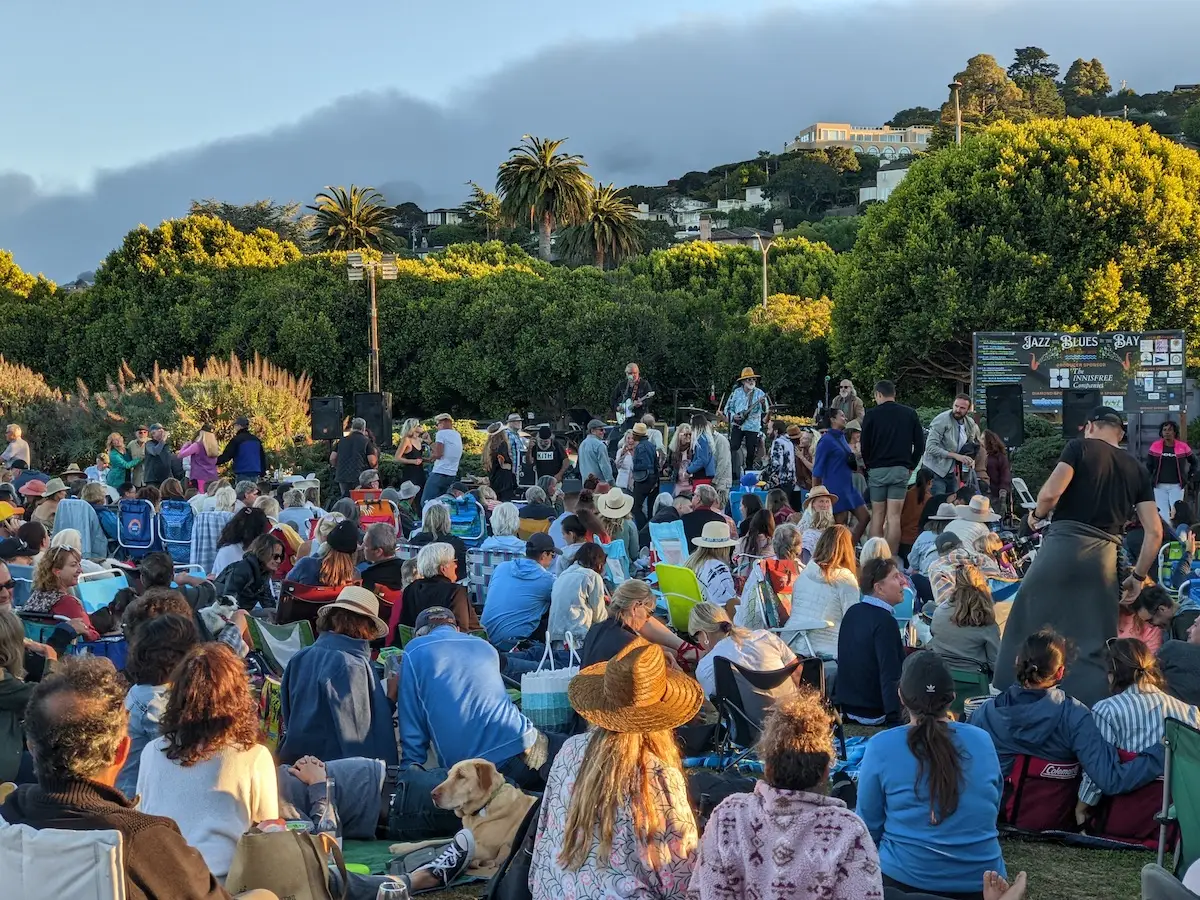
(1134, 371)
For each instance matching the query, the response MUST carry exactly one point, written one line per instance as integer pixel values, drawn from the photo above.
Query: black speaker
(1076, 407)
(1006, 412)
(326, 418)
(376, 409)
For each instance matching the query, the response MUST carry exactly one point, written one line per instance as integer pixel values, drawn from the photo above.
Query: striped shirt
(1133, 721)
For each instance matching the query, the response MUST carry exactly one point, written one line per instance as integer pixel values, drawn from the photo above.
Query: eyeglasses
(277, 557)
(8, 586)
(844, 387)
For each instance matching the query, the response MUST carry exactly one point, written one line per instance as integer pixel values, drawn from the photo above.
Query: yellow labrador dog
(490, 808)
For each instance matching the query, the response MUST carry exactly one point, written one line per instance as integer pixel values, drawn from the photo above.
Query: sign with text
(1135, 371)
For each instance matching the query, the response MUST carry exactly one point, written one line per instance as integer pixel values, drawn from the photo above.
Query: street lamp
(956, 86)
(765, 248)
(356, 270)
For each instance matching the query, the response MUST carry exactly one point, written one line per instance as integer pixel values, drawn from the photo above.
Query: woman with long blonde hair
(204, 451)
(965, 625)
(679, 456)
(119, 462)
(615, 820)
(410, 452)
(826, 588)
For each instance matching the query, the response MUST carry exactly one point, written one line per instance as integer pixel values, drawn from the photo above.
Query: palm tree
(351, 220)
(608, 232)
(484, 206)
(541, 185)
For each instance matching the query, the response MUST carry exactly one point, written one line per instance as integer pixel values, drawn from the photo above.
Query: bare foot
(996, 888)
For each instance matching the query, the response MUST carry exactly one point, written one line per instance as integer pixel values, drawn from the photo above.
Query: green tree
(12, 278)
(484, 210)
(1191, 124)
(1032, 62)
(657, 235)
(1042, 99)
(1076, 224)
(987, 93)
(406, 219)
(284, 219)
(1086, 81)
(608, 231)
(916, 115)
(352, 219)
(544, 187)
(807, 182)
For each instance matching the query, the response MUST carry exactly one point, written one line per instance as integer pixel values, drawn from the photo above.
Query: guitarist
(634, 388)
(745, 411)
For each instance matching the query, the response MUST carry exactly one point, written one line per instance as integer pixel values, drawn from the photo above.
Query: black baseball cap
(540, 543)
(1108, 415)
(10, 548)
(926, 685)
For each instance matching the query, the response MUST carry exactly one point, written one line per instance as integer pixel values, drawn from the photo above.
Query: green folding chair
(404, 634)
(971, 679)
(279, 643)
(681, 589)
(1181, 793)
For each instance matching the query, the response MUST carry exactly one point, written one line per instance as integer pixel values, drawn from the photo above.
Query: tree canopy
(352, 219)
(544, 187)
(284, 219)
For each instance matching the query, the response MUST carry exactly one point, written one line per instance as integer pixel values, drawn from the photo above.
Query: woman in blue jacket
(703, 467)
(833, 466)
(1035, 718)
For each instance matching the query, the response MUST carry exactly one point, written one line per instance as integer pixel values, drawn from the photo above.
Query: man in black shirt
(352, 456)
(892, 445)
(384, 567)
(634, 389)
(547, 455)
(703, 511)
(1073, 585)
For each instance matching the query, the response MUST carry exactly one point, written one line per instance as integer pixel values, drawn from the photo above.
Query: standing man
(137, 452)
(547, 455)
(352, 456)
(892, 445)
(1172, 465)
(954, 440)
(593, 454)
(516, 444)
(744, 411)
(17, 448)
(1073, 584)
(848, 401)
(632, 396)
(245, 452)
(160, 461)
(446, 452)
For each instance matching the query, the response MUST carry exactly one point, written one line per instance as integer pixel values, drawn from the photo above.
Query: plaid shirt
(205, 532)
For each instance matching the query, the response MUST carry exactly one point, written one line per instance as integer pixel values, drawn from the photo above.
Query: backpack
(511, 881)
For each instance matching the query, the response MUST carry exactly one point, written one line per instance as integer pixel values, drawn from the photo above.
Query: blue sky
(104, 85)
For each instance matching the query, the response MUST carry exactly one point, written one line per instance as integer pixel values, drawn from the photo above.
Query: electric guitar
(739, 418)
(625, 410)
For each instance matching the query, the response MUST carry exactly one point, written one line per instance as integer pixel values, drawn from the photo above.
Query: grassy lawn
(1068, 873)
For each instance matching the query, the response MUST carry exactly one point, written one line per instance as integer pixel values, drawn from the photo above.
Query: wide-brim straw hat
(747, 372)
(979, 510)
(614, 504)
(714, 536)
(72, 469)
(635, 692)
(360, 601)
(819, 491)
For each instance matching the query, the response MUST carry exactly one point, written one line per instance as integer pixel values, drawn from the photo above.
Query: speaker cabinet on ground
(1006, 412)
(377, 410)
(1076, 407)
(326, 418)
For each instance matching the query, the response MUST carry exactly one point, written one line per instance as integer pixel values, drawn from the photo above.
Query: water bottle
(329, 823)
(392, 890)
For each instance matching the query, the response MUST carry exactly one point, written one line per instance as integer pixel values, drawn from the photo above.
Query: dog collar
(482, 811)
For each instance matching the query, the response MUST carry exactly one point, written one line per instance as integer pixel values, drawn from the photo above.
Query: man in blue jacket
(870, 652)
(245, 452)
(517, 605)
(453, 700)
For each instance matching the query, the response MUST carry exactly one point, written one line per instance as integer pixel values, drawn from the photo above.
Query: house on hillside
(733, 237)
(436, 217)
(876, 140)
(890, 175)
(754, 200)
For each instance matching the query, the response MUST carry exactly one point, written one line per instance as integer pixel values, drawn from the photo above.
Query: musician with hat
(745, 411)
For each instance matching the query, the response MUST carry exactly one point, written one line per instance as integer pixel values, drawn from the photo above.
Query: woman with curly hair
(207, 771)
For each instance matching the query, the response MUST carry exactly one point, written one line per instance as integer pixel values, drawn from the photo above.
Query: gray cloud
(641, 110)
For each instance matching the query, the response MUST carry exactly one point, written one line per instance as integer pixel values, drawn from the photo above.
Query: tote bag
(292, 864)
(544, 692)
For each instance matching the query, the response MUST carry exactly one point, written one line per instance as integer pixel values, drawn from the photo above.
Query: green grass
(1070, 873)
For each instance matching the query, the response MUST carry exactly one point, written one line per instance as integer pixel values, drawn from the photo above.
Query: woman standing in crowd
(498, 465)
(204, 451)
(1132, 718)
(14, 690)
(703, 467)
(208, 772)
(615, 818)
(804, 459)
(56, 573)
(965, 625)
(436, 528)
(710, 562)
(410, 452)
(679, 457)
(119, 462)
(930, 792)
(783, 455)
(717, 636)
(334, 566)
(155, 649)
(787, 831)
(249, 579)
(624, 461)
(834, 464)
(826, 588)
(999, 470)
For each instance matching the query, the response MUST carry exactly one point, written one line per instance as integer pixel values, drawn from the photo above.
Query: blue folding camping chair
(98, 589)
(136, 531)
(669, 541)
(176, 518)
(467, 519)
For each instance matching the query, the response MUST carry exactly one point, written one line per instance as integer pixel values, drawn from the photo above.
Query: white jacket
(814, 598)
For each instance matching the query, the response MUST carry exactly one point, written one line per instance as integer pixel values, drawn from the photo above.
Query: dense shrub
(1036, 459)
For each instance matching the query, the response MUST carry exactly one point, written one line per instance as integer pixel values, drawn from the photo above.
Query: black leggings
(898, 890)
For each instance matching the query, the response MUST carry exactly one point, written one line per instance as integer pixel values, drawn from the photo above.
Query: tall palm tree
(608, 232)
(540, 185)
(484, 206)
(352, 219)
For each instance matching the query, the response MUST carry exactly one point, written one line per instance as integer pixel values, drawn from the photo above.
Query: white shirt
(762, 651)
(452, 451)
(215, 801)
(968, 532)
(814, 598)
(226, 556)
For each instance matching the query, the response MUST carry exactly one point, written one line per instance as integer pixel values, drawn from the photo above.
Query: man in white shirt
(446, 454)
(17, 447)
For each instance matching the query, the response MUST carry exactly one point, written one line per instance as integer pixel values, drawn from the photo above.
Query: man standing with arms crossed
(892, 445)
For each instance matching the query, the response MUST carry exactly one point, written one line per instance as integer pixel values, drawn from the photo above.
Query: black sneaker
(454, 859)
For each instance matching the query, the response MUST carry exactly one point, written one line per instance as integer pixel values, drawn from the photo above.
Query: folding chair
(617, 568)
(1168, 555)
(176, 520)
(407, 551)
(206, 531)
(681, 589)
(136, 531)
(1025, 498)
(468, 521)
(372, 508)
(669, 541)
(971, 679)
(279, 643)
(1040, 795)
(23, 576)
(904, 610)
(743, 699)
(1181, 792)
(302, 602)
(735, 502)
(98, 589)
(527, 528)
(481, 564)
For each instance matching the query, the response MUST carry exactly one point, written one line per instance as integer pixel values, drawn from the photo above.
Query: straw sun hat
(635, 692)
(360, 601)
(616, 504)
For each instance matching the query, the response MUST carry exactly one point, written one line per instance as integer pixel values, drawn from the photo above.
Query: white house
(754, 200)
(886, 180)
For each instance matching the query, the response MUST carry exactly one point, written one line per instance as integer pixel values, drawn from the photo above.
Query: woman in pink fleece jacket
(784, 839)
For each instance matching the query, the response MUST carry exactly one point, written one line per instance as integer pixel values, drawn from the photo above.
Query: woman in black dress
(410, 452)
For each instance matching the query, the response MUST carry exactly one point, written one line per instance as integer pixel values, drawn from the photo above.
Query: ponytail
(938, 758)
(1040, 657)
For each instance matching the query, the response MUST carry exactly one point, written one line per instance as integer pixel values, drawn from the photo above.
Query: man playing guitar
(745, 411)
(631, 398)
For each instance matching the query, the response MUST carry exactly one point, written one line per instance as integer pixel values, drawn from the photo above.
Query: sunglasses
(277, 557)
(8, 586)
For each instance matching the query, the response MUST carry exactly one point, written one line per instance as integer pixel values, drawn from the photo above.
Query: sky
(134, 108)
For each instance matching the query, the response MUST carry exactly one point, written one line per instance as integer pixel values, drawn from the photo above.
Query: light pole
(955, 87)
(765, 248)
(356, 270)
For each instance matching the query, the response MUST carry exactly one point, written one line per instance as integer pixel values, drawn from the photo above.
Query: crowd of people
(864, 542)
